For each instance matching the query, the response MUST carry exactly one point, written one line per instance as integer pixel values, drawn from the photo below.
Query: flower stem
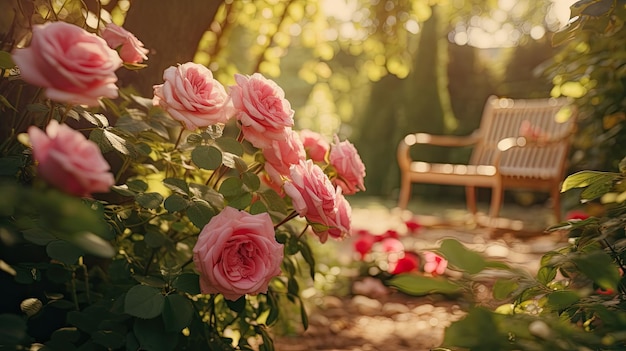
(289, 217)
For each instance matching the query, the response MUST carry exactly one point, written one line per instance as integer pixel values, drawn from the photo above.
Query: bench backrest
(542, 119)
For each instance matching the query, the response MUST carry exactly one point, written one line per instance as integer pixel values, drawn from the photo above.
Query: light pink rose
(131, 50)
(350, 169)
(315, 145)
(237, 254)
(311, 192)
(70, 162)
(262, 109)
(283, 153)
(74, 66)
(392, 245)
(191, 96)
(338, 220)
(434, 264)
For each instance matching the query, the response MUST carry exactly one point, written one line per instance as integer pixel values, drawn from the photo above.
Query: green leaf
(257, 207)
(64, 251)
(273, 201)
(251, 181)
(38, 236)
(149, 200)
(461, 258)
(6, 61)
(137, 185)
(118, 143)
(177, 312)
(562, 299)
(188, 283)
(231, 187)
(83, 320)
(418, 285)
(206, 157)
(110, 339)
(584, 179)
(152, 335)
(177, 185)
(12, 329)
(238, 305)
(598, 266)
(200, 213)
(240, 202)
(155, 238)
(93, 244)
(502, 288)
(4, 102)
(477, 331)
(144, 302)
(303, 315)
(175, 203)
(230, 145)
(546, 274)
(307, 254)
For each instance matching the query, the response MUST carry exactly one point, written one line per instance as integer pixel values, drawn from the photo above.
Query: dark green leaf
(144, 302)
(231, 187)
(307, 254)
(598, 266)
(230, 145)
(93, 244)
(461, 258)
(6, 103)
(240, 202)
(562, 299)
(175, 203)
(123, 190)
(502, 288)
(156, 282)
(598, 8)
(176, 185)
(12, 329)
(64, 251)
(6, 61)
(257, 207)
(188, 283)
(200, 213)
(155, 238)
(70, 334)
(149, 200)
(251, 181)
(152, 335)
(108, 338)
(418, 285)
(238, 305)
(303, 316)
(83, 321)
(38, 236)
(206, 157)
(477, 331)
(273, 201)
(58, 274)
(177, 313)
(137, 185)
(546, 274)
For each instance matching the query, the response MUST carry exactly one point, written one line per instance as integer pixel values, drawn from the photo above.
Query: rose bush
(165, 222)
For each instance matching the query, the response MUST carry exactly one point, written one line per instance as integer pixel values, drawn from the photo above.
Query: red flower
(576, 214)
(413, 225)
(363, 244)
(409, 262)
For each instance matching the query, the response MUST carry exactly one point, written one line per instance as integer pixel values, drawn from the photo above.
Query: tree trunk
(171, 30)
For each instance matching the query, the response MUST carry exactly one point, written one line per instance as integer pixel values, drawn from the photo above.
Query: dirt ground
(369, 318)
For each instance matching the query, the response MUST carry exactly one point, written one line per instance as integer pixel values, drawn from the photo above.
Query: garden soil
(370, 317)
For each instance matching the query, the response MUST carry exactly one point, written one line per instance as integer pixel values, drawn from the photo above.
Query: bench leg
(496, 201)
(405, 192)
(556, 202)
(470, 198)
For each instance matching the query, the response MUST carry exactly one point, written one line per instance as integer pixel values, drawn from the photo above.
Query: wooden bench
(520, 144)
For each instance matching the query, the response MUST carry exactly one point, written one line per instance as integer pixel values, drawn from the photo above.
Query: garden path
(350, 316)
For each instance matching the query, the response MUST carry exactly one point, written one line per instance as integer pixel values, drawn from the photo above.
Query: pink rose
(131, 50)
(237, 254)
(434, 264)
(262, 109)
(70, 162)
(315, 145)
(350, 169)
(312, 194)
(283, 153)
(191, 96)
(392, 245)
(74, 66)
(339, 220)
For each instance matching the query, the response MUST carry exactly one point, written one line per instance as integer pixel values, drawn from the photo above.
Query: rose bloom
(261, 108)
(131, 50)
(191, 96)
(350, 169)
(74, 66)
(283, 153)
(315, 145)
(237, 254)
(312, 194)
(434, 264)
(338, 220)
(363, 244)
(68, 161)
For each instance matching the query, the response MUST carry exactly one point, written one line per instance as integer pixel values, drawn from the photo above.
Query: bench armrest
(404, 157)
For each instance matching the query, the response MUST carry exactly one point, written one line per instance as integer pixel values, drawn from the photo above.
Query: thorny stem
(147, 269)
(621, 287)
(306, 227)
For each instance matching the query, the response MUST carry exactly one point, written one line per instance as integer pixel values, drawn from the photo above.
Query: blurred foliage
(591, 67)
